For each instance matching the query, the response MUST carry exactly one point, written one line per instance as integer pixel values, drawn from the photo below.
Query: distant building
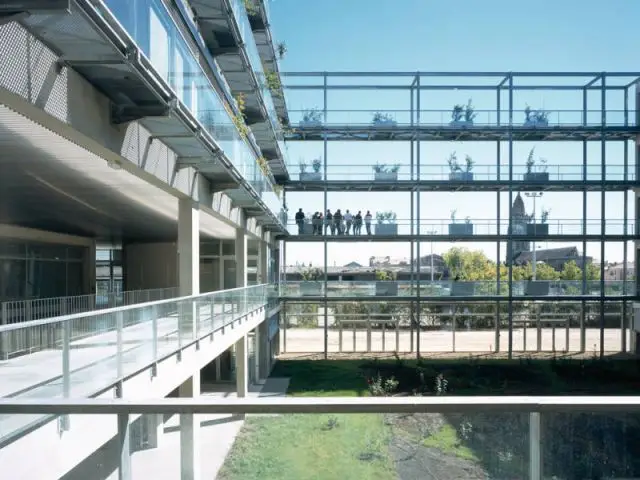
(521, 252)
(615, 271)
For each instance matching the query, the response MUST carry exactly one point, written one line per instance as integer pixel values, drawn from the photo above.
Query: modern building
(141, 146)
(603, 169)
(143, 218)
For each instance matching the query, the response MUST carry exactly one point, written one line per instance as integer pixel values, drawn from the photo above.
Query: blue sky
(466, 35)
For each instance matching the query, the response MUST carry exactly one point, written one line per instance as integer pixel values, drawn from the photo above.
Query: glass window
(75, 279)
(179, 78)
(12, 279)
(47, 251)
(12, 248)
(46, 279)
(228, 247)
(159, 47)
(210, 247)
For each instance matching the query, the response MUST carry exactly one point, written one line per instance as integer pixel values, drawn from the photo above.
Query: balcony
(441, 289)
(469, 229)
(230, 40)
(134, 53)
(485, 175)
(436, 125)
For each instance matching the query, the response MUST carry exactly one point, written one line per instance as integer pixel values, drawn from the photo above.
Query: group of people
(335, 223)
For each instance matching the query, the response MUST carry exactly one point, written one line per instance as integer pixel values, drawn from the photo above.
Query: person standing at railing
(300, 221)
(337, 221)
(328, 223)
(319, 222)
(357, 223)
(367, 222)
(348, 220)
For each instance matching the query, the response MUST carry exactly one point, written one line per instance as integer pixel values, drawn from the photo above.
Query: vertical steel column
(411, 227)
(418, 160)
(326, 275)
(583, 287)
(626, 114)
(625, 253)
(603, 166)
(510, 233)
(496, 348)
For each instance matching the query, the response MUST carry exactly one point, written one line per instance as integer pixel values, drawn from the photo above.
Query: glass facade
(150, 25)
(41, 270)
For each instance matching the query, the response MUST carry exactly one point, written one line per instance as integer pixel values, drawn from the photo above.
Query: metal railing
(481, 171)
(80, 354)
(449, 288)
(460, 227)
(16, 311)
(483, 118)
(543, 417)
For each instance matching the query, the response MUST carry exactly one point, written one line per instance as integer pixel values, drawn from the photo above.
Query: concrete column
(242, 367)
(257, 353)
(265, 363)
(241, 257)
(190, 465)
(154, 428)
(188, 247)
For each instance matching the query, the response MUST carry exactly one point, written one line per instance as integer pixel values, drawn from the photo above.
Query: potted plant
(386, 285)
(311, 118)
(539, 229)
(384, 173)
(537, 288)
(536, 172)
(386, 223)
(460, 287)
(457, 173)
(463, 115)
(315, 176)
(383, 120)
(311, 284)
(535, 118)
(460, 229)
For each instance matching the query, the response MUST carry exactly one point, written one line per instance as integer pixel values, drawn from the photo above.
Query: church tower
(518, 226)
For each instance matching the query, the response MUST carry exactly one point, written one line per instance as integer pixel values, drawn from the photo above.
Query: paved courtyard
(311, 340)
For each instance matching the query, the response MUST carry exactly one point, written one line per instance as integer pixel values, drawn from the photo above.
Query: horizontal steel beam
(451, 87)
(36, 6)
(284, 405)
(460, 74)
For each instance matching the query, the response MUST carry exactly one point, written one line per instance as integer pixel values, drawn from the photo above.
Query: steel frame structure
(505, 130)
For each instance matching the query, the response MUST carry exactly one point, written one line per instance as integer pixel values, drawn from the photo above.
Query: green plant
(303, 166)
(281, 48)
(264, 165)
(453, 216)
(382, 387)
(469, 113)
(316, 164)
(386, 217)
(272, 79)
(251, 8)
(383, 168)
(239, 118)
(469, 163)
(452, 161)
(386, 275)
(544, 216)
(277, 189)
(312, 274)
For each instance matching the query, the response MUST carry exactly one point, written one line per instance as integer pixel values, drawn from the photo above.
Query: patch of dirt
(414, 461)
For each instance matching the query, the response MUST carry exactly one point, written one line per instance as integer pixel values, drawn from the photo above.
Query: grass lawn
(438, 446)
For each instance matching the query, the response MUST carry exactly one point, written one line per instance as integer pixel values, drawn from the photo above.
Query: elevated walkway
(89, 354)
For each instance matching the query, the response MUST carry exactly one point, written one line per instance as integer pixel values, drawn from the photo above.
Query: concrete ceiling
(50, 183)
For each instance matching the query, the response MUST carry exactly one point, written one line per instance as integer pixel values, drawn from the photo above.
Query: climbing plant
(239, 118)
(273, 82)
(251, 8)
(264, 165)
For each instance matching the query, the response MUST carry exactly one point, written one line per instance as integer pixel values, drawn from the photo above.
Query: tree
(571, 271)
